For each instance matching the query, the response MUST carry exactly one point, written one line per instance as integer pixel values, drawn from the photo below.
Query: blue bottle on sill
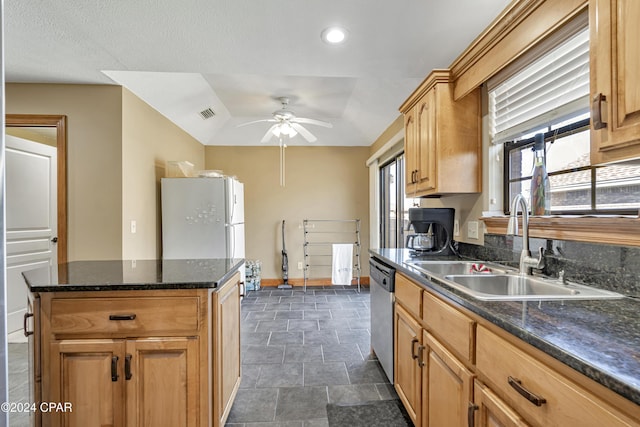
(540, 186)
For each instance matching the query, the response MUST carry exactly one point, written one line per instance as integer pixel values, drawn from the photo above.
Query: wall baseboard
(299, 282)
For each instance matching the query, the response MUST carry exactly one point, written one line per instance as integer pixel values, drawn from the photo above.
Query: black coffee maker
(433, 231)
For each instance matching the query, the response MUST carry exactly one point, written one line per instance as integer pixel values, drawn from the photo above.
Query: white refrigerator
(202, 218)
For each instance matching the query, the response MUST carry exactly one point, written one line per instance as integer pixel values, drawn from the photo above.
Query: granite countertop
(598, 338)
(132, 275)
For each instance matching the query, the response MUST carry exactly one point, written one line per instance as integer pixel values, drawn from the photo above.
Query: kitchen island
(589, 349)
(148, 342)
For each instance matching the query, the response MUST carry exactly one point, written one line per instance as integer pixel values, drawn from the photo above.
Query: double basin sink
(494, 282)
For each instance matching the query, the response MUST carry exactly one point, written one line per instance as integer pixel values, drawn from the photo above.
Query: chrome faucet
(527, 262)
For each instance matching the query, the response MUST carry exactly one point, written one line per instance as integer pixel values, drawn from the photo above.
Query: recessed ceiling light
(334, 35)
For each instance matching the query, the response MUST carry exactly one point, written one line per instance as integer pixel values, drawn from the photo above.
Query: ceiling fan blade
(267, 136)
(305, 133)
(256, 121)
(312, 122)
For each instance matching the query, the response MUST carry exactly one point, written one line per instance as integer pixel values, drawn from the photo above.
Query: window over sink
(548, 92)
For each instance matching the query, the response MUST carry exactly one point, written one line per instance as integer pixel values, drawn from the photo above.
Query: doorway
(57, 125)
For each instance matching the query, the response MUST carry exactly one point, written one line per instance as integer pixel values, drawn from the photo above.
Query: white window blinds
(550, 89)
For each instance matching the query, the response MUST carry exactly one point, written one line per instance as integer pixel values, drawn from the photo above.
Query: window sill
(609, 230)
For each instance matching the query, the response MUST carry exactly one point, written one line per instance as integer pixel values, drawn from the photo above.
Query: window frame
(550, 135)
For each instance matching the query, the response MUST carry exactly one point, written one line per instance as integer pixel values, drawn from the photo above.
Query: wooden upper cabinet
(442, 139)
(615, 87)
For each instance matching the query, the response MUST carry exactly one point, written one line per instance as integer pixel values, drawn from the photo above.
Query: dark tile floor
(301, 351)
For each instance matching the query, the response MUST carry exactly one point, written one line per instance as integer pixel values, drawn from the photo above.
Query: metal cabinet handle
(122, 316)
(114, 368)
(596, 106)
(531, 397)
(127, 367)
(471, 411)
(413, 347)
(421, 356)
(24, 324)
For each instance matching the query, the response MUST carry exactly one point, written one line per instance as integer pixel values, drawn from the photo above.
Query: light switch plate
(472, 229)
(456, 228)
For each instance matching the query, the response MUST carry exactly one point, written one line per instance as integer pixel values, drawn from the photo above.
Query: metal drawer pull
(127, 367)
(24, 324)
(597, 112)
(114, 368)
(421, 356)
(531, 397)
(122, 317)
(471, 411)
(413, 348)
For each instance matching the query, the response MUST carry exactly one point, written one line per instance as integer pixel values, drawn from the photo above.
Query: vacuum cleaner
(285, 264)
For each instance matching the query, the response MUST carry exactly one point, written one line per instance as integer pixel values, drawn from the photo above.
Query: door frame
(60, 123)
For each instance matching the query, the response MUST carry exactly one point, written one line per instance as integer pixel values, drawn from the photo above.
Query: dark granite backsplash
(610, 267)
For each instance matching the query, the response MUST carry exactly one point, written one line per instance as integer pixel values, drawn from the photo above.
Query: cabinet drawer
(115, 316)
(452, 328)
(566, 403)
(409, 295)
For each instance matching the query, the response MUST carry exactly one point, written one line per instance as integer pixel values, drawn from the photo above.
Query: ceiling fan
(287, 123)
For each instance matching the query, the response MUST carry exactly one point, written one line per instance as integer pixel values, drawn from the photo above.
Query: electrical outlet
(472, 230)
(134, 226)
(456, 227)
(299, 265)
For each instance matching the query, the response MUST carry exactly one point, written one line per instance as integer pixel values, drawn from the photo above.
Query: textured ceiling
(237, 56)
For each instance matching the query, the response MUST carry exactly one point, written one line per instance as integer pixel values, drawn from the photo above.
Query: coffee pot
(420, 241)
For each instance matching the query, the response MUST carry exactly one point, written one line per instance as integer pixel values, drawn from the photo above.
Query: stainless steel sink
(444, 268)
(516, 287)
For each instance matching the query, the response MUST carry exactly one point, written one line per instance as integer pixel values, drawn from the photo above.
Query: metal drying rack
(320, 235)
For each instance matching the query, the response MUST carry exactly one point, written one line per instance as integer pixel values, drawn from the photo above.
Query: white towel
(341, 266)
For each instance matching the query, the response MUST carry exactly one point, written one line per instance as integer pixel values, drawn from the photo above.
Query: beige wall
(117, 147)
(149, 140)
(94, 154)
(321, 183)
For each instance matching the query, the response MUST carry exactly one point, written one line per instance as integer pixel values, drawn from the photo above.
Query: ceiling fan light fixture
(334, 35)
(284, 129)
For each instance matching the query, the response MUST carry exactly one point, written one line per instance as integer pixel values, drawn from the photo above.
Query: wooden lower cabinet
(226, 367)
(510, 383)
(407, 370)
(161, 377)
(141, 382)
(105, 355)
(88, 375)
(543, 395)
(447, 386)
(491, 411)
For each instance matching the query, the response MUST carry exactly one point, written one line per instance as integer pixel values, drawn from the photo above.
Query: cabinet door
(162, 380)
(615, 67)
(426, 116)
(407, 371)
(88, 375)
(491, 411)
(411, 151)
(447, 383)
(227, 360)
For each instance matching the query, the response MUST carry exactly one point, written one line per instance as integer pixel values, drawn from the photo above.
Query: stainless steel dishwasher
(382, 298)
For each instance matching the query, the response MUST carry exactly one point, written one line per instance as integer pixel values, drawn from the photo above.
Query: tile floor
(301, 351)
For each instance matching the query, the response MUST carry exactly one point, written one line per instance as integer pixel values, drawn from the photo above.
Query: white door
(31, 202)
